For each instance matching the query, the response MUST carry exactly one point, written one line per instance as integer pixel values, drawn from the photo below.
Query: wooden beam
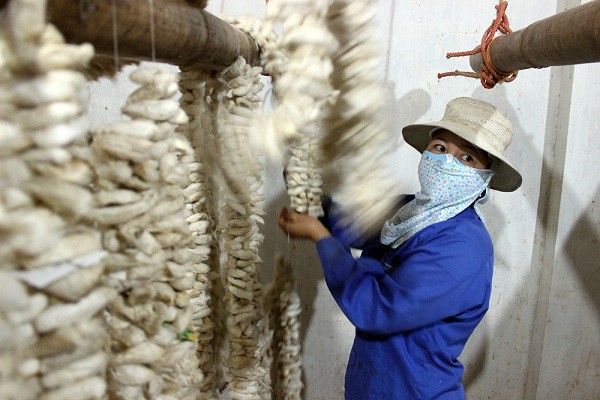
(568, 38)
(185, 35)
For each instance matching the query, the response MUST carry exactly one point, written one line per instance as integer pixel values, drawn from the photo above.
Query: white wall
(541, 337)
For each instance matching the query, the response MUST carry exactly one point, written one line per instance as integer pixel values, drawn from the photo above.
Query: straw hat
(481, 124)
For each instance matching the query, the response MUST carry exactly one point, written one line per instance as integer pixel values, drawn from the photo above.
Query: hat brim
(506, 177)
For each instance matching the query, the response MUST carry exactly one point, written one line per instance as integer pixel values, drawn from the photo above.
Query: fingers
(284, 220)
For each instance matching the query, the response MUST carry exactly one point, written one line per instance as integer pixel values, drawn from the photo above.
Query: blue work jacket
(414, 307)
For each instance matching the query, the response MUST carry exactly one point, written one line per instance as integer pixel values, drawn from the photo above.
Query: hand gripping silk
(447, 188)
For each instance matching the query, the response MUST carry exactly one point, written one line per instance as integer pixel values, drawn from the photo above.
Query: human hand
(302, 226)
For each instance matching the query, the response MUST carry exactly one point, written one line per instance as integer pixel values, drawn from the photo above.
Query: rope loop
(490, 75)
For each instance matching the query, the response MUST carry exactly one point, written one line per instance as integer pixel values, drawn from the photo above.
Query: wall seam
(388, 53)
(548, 210)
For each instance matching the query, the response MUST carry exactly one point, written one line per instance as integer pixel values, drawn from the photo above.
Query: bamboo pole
(567, 38)
(184, 35)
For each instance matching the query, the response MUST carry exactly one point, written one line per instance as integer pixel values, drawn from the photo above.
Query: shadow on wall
(484, 351)
(405, 110)
(582, 247)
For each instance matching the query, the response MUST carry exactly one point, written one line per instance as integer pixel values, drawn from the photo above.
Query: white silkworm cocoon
(62, 197)
(200, 226)
(154, 91)
(166, 313)
(56, 56)
(75, 285)
(158, 110)
(125, 333)
(63, 314)
(47, 114)
(153, 76)
(238, 208)
(37, 303)
(70, 246)
(12, 139)
(124, 147)
(13, 296)
(144, 353)
(142, 128)
(27, 20)
(55, 86)
(110, 170)
(116, 197)
(132, 375)
(92, 365)
(129, 392)
(31, 231)
(29, 367)
(117, 214)
(181, 284)
(13, 171)
(82, 339)
(176, 352)
(164, 337)
(240, 293)
(238, 282)
(24, 336)
(243, 254)
(60, 134)
(76, 171)
(85, 389)
(147, 243)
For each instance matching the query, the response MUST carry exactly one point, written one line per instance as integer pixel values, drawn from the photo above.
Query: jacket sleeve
(439, 277)
(348, 235)
(333, 221)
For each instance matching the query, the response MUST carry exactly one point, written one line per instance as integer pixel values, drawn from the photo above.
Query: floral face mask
(447, 188)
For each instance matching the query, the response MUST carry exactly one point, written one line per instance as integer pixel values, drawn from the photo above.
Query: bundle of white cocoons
(282, 333)
(197, 99)
(240, 226)
(52, 341)
(355, 147)
(143, 187)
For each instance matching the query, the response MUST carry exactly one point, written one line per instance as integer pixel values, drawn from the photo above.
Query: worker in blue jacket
(423, 283)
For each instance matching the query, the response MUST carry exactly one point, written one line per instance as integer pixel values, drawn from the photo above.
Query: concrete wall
(541, 337)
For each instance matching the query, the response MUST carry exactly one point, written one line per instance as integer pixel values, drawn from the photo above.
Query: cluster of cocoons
(281, 336)
(197, 89)
(240, 224)
(52, 341)
(142, 197)
(129, 256)
(355, 147)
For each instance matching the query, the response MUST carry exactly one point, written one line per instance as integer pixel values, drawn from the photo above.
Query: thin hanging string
(288, 252)
(152, 37)
(489, 75)
(115, 37)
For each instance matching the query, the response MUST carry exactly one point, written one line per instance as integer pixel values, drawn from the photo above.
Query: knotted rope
(489, 75)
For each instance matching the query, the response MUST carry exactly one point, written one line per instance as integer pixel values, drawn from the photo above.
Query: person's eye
(440, 148)
(467, 158)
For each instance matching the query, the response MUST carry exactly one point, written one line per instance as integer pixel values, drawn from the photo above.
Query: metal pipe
(185, 35)
(568, 38)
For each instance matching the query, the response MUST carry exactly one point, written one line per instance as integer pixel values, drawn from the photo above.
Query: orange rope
(489, 75)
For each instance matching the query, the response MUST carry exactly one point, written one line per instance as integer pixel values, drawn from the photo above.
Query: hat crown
(491, 126)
